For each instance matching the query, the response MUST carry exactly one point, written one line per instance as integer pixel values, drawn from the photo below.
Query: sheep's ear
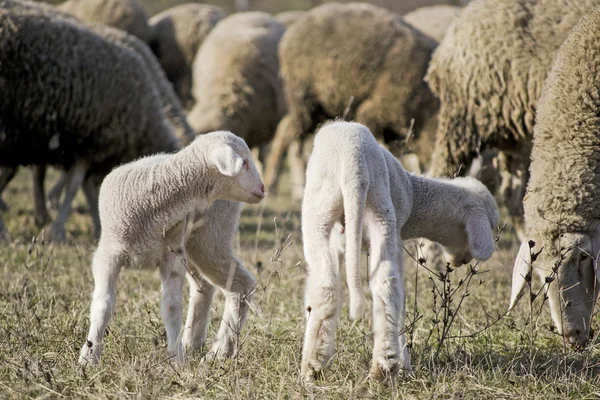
(481, 240)
(521, 273)
(227, 160)
(595, 239)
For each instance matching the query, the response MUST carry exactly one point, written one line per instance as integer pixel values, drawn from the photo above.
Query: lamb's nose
(262, 188)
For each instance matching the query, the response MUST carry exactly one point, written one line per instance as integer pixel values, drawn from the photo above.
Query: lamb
(359, 61)
(488, 72)
(353, 181)
(178, 34)
(289, 17)
(236, 83)
(434, 20)
(561, 205)
(149, 209)
(127, 15)
(97, 131)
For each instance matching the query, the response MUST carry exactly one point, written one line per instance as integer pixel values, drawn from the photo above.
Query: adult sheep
(561, 205)
(178, 33)
(289, 17)
(236, 78)
(488, 72)
(127, 15)
(360, 61)
(61, 116)
(434, 20)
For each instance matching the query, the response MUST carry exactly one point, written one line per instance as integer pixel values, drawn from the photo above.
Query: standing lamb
(149, 208)
(360, 61)
(561, 206)
(236, 78)
(488, 72)
(353, 181)
(434, 20)
(178, 34)
(127, 15)
(98, 128)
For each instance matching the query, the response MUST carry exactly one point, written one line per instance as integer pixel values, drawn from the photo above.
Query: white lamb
(353, 181)
(149, 209)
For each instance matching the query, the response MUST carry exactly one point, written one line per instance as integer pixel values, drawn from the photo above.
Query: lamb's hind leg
(172, 272)
(105, 267)
(387, 287)
(322, 297)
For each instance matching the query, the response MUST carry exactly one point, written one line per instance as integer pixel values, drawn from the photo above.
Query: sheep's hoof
(3, 206)
(42, 220)
(57, 235)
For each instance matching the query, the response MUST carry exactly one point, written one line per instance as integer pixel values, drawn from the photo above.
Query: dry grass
(459, 346)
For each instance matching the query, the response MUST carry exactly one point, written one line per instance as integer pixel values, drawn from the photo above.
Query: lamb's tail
(355, 199)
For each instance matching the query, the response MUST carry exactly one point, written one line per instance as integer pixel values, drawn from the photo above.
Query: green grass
(45, 292)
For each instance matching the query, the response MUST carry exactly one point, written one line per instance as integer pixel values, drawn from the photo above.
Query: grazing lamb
(354, 181)
(148, 209)
(92, 111)
(434, 20)
(178, 34)
(356, 60)
(236, 82)
(127, 15)
(562, 216)
(488, 72)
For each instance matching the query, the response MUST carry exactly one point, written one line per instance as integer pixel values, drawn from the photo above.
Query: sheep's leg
(289, 128)
(105, 267)
(39, 195)
(55, 192)
(237, 285)
(6, 175)
(297, 169)
(90, 189)
(75, 179)
(515, 176)
(3, 232)
(196, 325)
(387, 287)
(322, 297)
(172, 272)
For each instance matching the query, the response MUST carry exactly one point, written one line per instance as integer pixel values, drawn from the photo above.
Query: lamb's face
(567, 268)
(241, 179)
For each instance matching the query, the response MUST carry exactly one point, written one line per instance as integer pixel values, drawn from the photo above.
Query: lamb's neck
(435, 210)
(187, 173)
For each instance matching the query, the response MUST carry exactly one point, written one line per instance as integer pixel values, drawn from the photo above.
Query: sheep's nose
(575, 338)
(262, 188)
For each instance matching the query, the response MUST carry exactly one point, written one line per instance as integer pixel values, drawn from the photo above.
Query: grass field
(459, 346)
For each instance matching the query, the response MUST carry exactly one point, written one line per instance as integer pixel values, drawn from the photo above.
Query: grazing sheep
(561, 206)
(127, 15)
(488, 72)
(434, 20)
(58, 115)
(178, 34)
(148, 209)
(359, 61)
(236, 83)
(353, 181)
(289, 17)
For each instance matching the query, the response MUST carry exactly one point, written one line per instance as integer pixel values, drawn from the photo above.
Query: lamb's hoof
(90, 355)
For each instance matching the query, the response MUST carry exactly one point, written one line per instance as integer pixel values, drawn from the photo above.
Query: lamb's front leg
(172, 273)
(387, 287)
(237, 285)
(196, 324)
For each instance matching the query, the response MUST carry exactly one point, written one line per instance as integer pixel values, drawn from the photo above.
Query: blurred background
(274, 6)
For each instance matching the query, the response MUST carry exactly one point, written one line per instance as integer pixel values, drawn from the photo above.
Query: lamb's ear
(227, 160)
(481, 240)
(521, 273)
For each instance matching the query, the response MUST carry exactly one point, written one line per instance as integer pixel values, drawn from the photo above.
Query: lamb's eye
(245, 164)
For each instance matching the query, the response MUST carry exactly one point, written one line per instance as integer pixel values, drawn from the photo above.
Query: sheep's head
(231, 156)
(474, 237)
(567, 268)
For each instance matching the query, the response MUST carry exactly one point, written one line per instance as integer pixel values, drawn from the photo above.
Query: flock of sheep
(158, 121)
